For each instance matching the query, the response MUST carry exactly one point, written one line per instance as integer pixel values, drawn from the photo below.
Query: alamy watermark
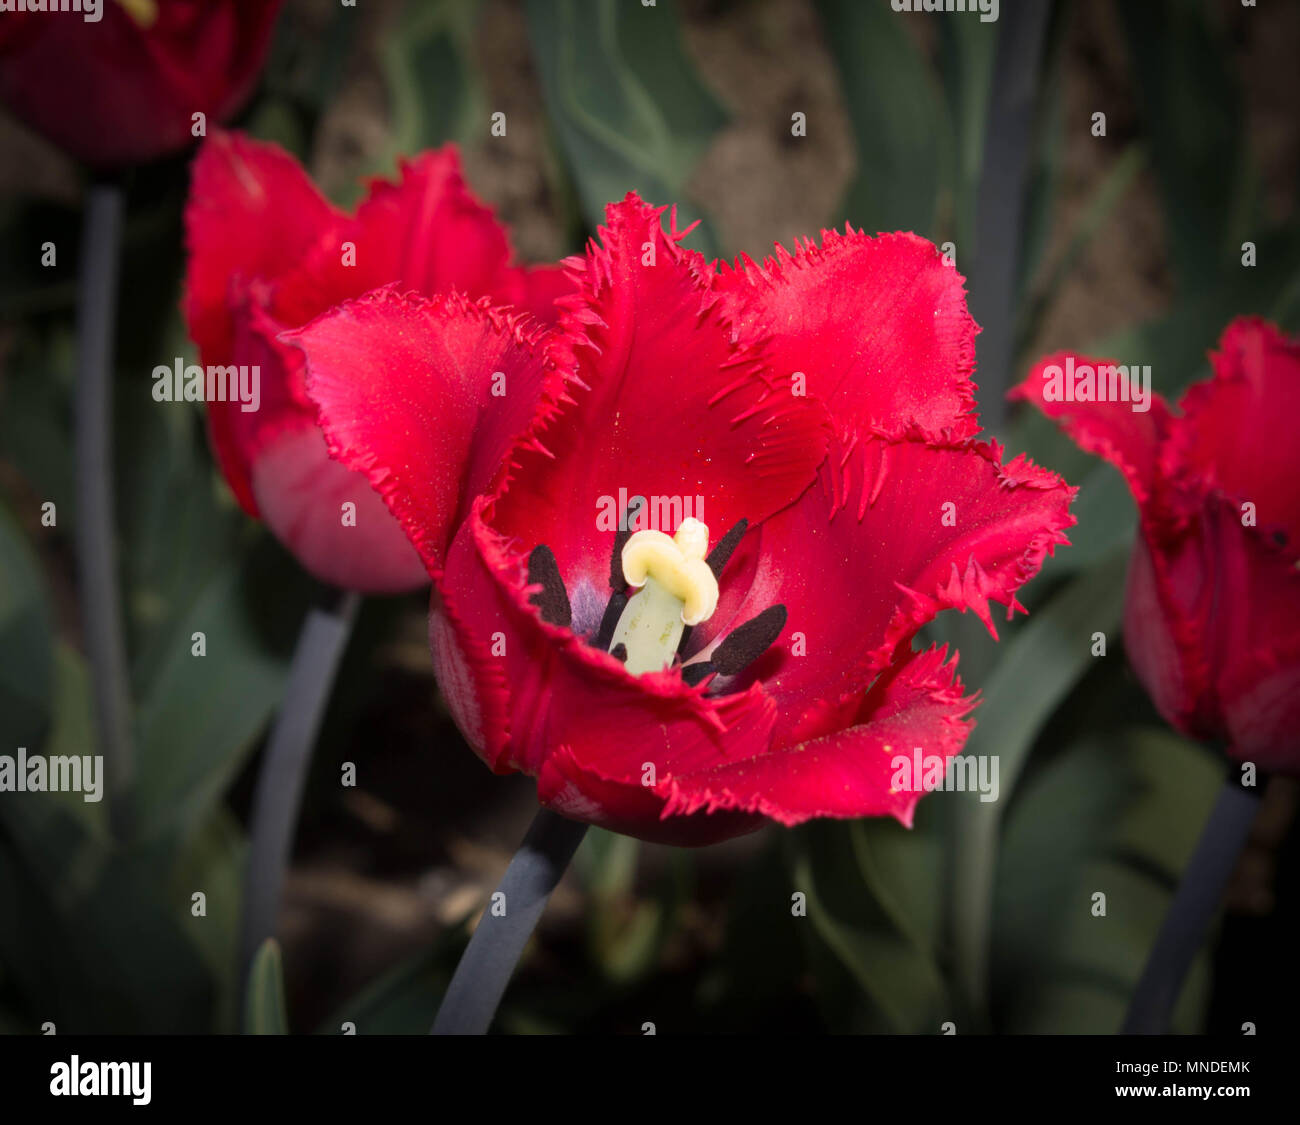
(987, 9)
(92, 11)
(78, 1077)
(179, 383)
(641, 513)
(71, 773)
(1103, 382)
(928, 773)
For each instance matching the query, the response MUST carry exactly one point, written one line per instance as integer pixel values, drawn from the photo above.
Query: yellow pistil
(144, 12)
(677, 564)
(676, 589)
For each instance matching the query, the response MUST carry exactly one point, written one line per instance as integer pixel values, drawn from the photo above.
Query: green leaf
(193, 564)
(626, 105)
(1047, 154)
(1047, 658)
(1036, 671)
(859, 915)
(607, 861)
(902, 868)
(73, 733)
(899, 124)
(178, 526)
(967, 48)
(621, 929)
(213, 863)
(434, 88)
(1107, 524)
(55, 842)
(626, 932)
(1177, 345)
(1192, 115)
(309, 55)
(755, 983)
(103, 958)
(404, 1000)
(26, 640)
(63, 839)
(35, 421)
(1119, 816)
(201, 714)
(265, 1009)
(1108, 193)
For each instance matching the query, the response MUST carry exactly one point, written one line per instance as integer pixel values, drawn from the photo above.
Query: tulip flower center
(675, 588)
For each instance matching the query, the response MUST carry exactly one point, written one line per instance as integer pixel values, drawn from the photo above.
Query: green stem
(101, 609)
(493, 952)
(1012, 103)
(283, 773)
(1194, 906)
(1022, 33)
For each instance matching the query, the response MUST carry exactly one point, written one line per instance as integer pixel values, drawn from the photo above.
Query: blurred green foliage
(627, 108)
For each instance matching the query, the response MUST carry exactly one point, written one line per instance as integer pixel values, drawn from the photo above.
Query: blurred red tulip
(1212, 621)
(268, 253)
(124, 88)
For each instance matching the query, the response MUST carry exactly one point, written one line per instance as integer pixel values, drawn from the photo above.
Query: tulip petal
(900, 529)
(238, 434)
(1262, 708)
(302, 496)
(1129, 439)
(1255, 390)
(536, 289)
(424, 398)
(660, 403)
(878, 326)
(253, 213)
(497, 635)
(619, 766)
(583, 792)
(917, 704)
(1163, 633)
(1211, 630)
(279, 454)
(427, 233)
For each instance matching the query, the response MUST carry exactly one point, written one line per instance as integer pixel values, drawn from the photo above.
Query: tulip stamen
(552, 600)
(741, 647)
(617, 582)
(717, 561)
(613, 611)
(721, 553)
(675, 588)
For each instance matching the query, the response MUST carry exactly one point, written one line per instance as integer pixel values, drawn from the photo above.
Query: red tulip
(825, 398)
(1212, 620)
(268, 253)
(124, 88)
